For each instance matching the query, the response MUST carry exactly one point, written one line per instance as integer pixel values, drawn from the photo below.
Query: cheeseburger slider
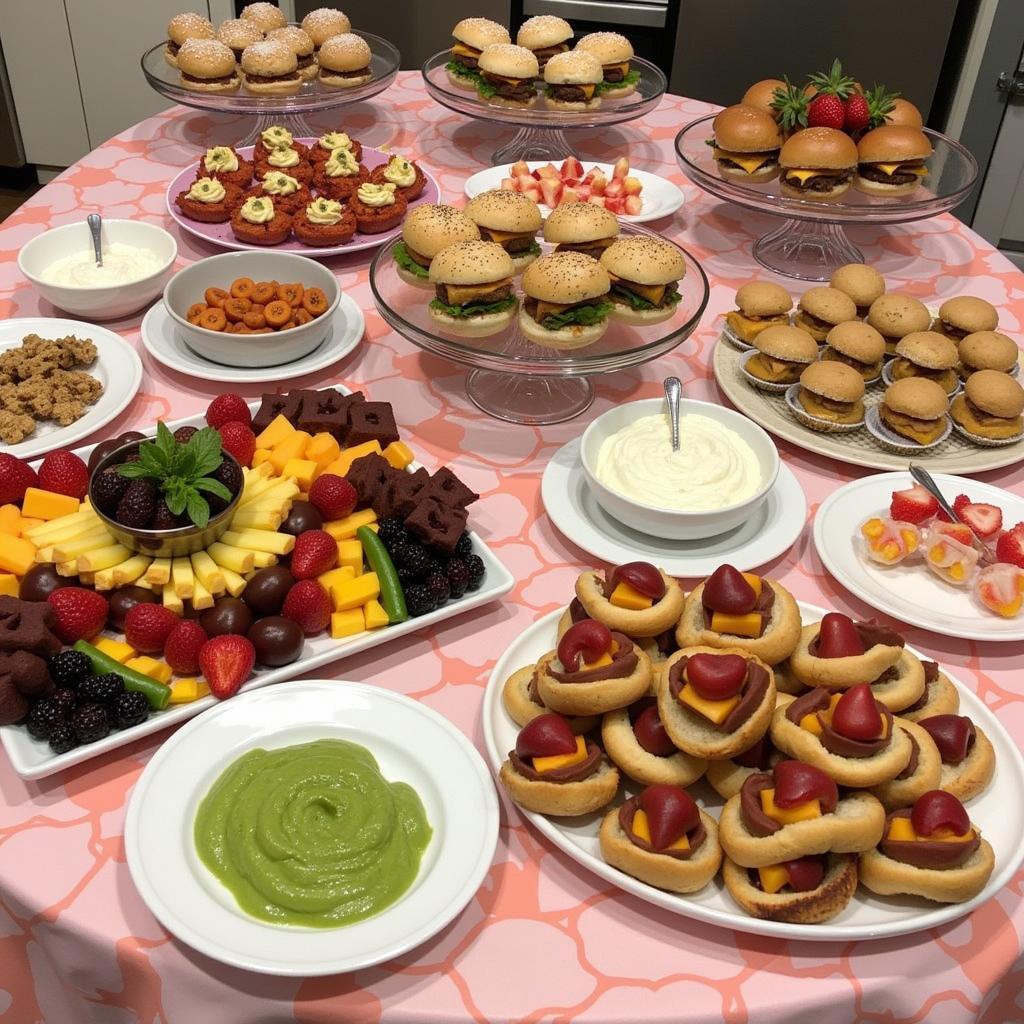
(990, 406)
(344, 61)
(270, 68)
(471, 35)
(581, 227)
(890, 160)
(511, 219)
(783, 353)
(427, 230)
(207, 66)
(614, 51)
(301, 45)
(645, 272)
(862, 283)
(182, 27)
(759, 304)
(832, 392)
(895, 315)
(265, 16)
(818, 164)
(544, 35)
(323, 23)
(566, 304)
(965, 315)
(762, 95)
(915, 408)
(905, 113)
(238, 34)
(858, 345)
(508, 75)
(987, 350)
(926, 354)
(820, 309)
(572, 79)
(472, 289)
(746, 144)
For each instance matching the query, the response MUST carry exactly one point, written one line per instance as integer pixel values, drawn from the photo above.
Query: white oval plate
(412, 744)
(998, 812)
(167, 347)
(909, 592)
(769, 532)
(661, 197)
(117, 366)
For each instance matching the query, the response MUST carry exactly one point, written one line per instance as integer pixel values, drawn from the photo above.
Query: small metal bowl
(178, 543)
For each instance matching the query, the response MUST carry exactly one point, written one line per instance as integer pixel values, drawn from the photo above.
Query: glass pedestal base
(529, 399)
(534, 144)
(806, 249)
(295, 123)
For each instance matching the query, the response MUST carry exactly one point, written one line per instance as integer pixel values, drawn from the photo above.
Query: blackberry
(437, 584)
(45, 714)
(418, 600)
(129, 709)
(392, 534)
(434, 566)
(62, 738)
(405, 577)
(413, 558)
(108, 489)
(464, 546)
(137, 506)
(230, 475)
(69, 668)
(183, 434)
(458, 577)
(91, 723)
(164, 518)
(66, 701)
(103, 689)
(475, 565)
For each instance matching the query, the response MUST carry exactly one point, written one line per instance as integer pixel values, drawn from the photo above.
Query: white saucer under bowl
(574, 510)
(165, 344)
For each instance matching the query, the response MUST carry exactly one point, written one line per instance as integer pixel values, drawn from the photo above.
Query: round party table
(542, 940)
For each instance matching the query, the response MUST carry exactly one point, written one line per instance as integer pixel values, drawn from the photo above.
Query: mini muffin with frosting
(259, 222)
(224, 164)
(405, 175)
(209, 200)
(321, 150)
(286, 192)
(324, 222)
(339, 175)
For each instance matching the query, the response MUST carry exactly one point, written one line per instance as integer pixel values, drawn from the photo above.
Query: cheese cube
(350, 552)
(261, 456)
(16, 554)
(347, 622)
(333, 577)
(788, 815)
(40, 504)
(275, 433)
(158, 670)
(8, 585)
(625, 596)
(556, 761)
(10, 520)
(303, 471)
(748, 625)
(716, 711)
(323, 449)
(398, 454)
(344, 529)
(375, 615)
(773, 877)
(184, 691)
(355, 593)
(120, 652)
(292, 447)
(642, 828)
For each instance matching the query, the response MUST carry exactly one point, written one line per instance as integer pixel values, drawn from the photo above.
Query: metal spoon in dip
(94, 221)
(673, 389)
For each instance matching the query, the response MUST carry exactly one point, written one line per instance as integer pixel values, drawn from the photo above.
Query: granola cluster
(40, 381)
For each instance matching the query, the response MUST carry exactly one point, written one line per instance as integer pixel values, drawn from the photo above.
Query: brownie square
(436, 525)
(448, 489)
(27, 626)
(323, 411)
(399, 494)
(369, 476)
(274, 405)
(371, 421)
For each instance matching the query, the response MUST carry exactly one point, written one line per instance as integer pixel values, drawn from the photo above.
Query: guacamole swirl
(311, 834)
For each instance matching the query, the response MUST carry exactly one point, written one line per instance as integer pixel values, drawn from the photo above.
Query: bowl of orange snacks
(253, 309)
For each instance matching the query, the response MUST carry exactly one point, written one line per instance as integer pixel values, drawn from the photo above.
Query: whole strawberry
(239, 440)
(80, 613)
(226, 661)
(181, 651)
(315, 552)
(226, 408)
(333, 496)
(64, 473)
(858, 113)
(147, 627)
(16, 476)
(309, 606)
(826, 111)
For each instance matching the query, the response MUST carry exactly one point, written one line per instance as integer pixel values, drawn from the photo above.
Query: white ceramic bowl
(666, 523)
(251, 350)
(106, 302)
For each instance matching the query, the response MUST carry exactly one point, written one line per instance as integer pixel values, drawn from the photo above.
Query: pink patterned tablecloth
(542, 940)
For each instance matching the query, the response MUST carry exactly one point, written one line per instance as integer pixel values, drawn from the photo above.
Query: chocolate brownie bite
(437, 525)
(446, 488)
(372, 421)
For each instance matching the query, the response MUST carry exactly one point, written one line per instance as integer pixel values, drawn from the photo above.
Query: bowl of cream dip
(722, 473)
(138, 258)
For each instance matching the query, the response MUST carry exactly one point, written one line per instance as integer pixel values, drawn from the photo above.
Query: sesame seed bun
(988, 350)
(904, 112)
(470, 262)
(295, 38)
(760, 94)
(644, 260)
(345, 52)
(828, 304)
(743, 129)
(542, 31)
(858, 340)
(325, 22)
(566, 277)
(895, 315)
(574, 67)
(480, 32)
(504, 210)
(607, 47)
(238, 33)
(824, 148)
(204, 61)
(785, 342)
(763, 298)
(265, 15)
(579, 222)
(189, 25)
(970, 314)
(995, 393)
(833, 380)
(918, 397)
(270, 58)
(891, 143)
(509, 60)
(432, 227)
(928, 349)
(862, 283)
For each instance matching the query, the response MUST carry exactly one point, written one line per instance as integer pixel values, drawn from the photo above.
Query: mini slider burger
(265, 16)
(915, 408)
(301, 45)
(325, 22)
(471, 36)
(614, 51)
(344, 61)
(508, 75)
(927, 354)
(783, 352)
(818, 164)
(511, 219)
(862, 283)
(425, 232)
(762, 95)
(746, 144)
(858, 345)
(759, 305)
(891, 160)
(832, 393)
(572, 79)
(181, 27)
(207, 66)
(645, 274)
(238, 34)
(567, 302)
(895, 315)
(966, 314)
(544, 36)
(820, 309)
(990, 407)
(270, 68)
(473, 289)
(581, 227)
(987, 350)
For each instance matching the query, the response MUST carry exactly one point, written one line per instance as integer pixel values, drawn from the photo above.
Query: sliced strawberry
(550, 189)
(598, 184)
(1010, 546)
(510, 184)
(633, 206)
(569, 195)
(621, 168)
(914, 505)
(984, 519)
(549, 171)
(614, 189)
(571, 168)
(518, 168)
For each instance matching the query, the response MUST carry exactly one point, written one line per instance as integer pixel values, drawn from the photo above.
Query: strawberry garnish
(984, 519)
(790, 106)
(858, 115)
(184, 642)
(914, 505)
(1010, 546)
(880, 104)
(227, 662)
(826, 111)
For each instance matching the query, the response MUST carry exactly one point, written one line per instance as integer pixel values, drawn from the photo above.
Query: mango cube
(343, 463)
(17, 554)
(355, 593)
(8, 585)
(346, 623)
(40, 504)
(345, 529)
(350, 552)
(398, 454)
(292, 447)
(275, 433)
(260, 456)
(333, 577)
(158, 670)
(303, 470)
(10, 520)
(121, 652)
(375, 615)
(323, 449)
(184, 691)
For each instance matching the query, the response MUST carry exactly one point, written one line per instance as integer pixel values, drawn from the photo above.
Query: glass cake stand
(541, 134)
(287, 111)
(811, 243)
(517, 380)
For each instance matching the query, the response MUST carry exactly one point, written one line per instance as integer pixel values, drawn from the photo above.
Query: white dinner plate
(909, 592)
(441, 765)
(117, 367)
(769, 532)
(660, 196)
(998, 812)
(167, 347)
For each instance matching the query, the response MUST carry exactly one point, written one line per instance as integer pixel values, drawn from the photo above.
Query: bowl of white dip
(721, 475)
(137, 261)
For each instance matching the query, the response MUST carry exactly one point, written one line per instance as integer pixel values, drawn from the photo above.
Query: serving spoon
(95, 221)
(673, 389)
(927, 481)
